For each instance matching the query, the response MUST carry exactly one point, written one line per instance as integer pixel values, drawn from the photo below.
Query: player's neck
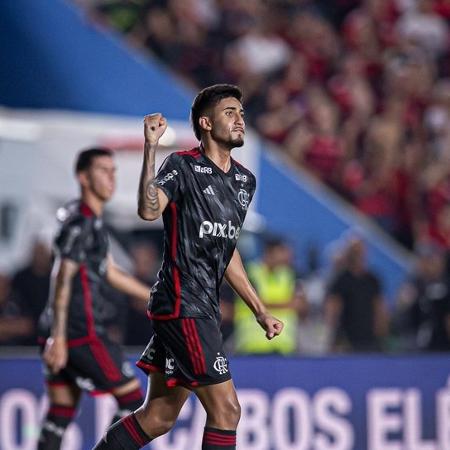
(94, 203)
(220, 156)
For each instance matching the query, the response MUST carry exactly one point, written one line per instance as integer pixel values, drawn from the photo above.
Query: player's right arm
(151, 199)
(56, 352)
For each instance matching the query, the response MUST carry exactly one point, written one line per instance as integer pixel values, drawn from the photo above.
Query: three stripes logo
(209, 190)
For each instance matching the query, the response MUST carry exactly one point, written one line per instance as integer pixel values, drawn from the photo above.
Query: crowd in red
(355, 91)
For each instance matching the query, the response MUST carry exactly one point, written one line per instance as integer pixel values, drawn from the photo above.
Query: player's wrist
(261, 315)
(151, 143)
(57, 338)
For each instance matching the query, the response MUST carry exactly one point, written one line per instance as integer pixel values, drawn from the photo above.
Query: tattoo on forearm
(61, 305)
(152, 196)
(148, 192)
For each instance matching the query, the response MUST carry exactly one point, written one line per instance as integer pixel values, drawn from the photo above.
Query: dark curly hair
(208, 98)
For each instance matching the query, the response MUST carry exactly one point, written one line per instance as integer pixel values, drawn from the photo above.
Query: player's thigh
(64, 394)
(161, 401)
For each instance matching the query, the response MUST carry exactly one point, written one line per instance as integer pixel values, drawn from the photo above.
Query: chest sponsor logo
(169, 177)
(222, 230)
(239, 177)
(201, 169)
(243, 198)
(221, 365)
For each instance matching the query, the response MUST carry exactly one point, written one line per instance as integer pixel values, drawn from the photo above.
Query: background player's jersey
(83, 239)
(202, 222)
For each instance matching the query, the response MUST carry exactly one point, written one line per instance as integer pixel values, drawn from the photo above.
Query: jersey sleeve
(169, 177)
(70, 242)
(253, 187)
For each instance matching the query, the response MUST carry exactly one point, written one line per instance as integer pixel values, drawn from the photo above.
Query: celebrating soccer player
(203, 195)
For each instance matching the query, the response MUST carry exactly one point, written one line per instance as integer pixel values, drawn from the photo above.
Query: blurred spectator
(16, 323)
(423, 306)
(274, 278)
(313, 331)
(422, 26)
(32, 283)
(145, 257)
(354, 306)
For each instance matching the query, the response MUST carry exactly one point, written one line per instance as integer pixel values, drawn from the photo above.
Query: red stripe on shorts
(198, 345)
(105, 361)
(190, 345)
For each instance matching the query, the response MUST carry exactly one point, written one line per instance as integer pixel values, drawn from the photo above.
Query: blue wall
(52, 57)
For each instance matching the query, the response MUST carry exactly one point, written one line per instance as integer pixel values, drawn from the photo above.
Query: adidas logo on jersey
(209, 190)
(223, 230)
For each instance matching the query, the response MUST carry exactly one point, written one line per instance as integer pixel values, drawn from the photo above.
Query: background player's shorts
(189, 351)
(96, 367)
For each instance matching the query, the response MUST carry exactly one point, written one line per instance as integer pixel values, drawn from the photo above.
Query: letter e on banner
(381, 420)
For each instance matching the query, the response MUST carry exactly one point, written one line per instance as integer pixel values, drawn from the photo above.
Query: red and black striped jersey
(82, 238)
(202, 222)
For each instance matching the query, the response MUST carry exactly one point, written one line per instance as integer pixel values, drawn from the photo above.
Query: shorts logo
(151, 354)
(243, 198)
(127, 369)
(85, 383)
(239, 177)
(170, 176)
(223, 230)
(201, 169)
(170, 366)
(221, 365)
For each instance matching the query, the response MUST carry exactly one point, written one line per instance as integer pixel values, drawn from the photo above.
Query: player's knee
(153, 424)
(234, 412)
(226, 415)
(159, 426)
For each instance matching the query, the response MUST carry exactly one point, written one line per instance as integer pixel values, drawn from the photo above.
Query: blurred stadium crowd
(357, 92)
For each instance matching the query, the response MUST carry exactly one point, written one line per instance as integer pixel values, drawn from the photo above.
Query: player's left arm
(238, 280)
(126, 283)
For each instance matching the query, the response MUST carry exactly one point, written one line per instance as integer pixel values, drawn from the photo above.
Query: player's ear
(205, 123)
(83, 178)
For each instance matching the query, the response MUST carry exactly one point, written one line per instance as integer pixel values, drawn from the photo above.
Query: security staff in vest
(276, 283)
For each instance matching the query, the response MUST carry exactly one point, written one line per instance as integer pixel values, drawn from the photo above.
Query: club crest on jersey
(201, 169)
(221, 365)
(243, 198)
(222, 230)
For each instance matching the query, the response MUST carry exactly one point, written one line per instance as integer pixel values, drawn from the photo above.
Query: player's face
(101, 177)
(228, 125)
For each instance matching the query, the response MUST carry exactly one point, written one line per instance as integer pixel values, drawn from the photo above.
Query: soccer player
(77, 353)
(203, 195)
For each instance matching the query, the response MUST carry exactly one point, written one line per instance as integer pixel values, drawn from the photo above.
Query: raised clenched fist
(154, 127)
